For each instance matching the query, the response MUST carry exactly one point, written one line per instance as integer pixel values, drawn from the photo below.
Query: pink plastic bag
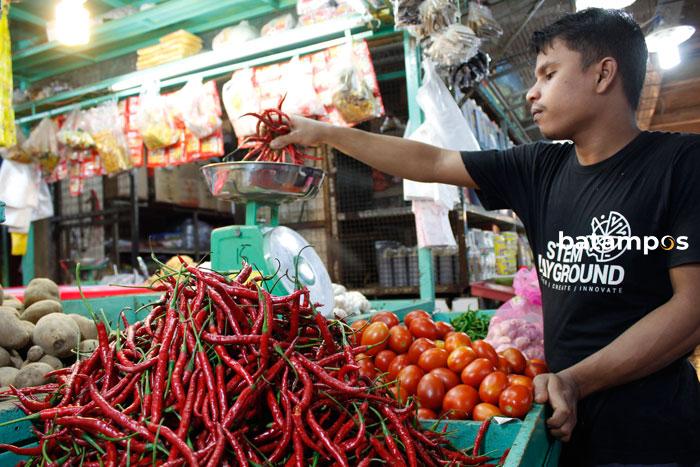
(527, 286)
(518, 322)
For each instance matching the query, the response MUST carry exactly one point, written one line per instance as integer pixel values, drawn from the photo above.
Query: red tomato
(357, 328)
(399, 394)
(430, 392)
(418, 347)
(535, 367)
(375, 335)
(367, 369)
(457, 339)
(515, 401)
(503, 365)
(492, 386)
(484, 411)
(516, 359)
(426, 414)
(397, 364)
(409, 378)
(422, 327)
(384, 359)
(433, 358)
(400, 339)
(386, 317)
(521, 380)
(415, 314)
(485, 350)
(448, 377)
(459, 402)
(443, 328)
(474, 373)
(459, 358)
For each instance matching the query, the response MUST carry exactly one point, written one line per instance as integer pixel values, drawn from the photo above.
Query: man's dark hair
(597, 33)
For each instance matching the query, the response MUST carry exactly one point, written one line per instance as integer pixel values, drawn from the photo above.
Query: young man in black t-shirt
(614, 223)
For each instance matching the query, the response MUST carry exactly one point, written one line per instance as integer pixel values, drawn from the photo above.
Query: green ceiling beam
(19, 14)
(224, 19)
(112, 32)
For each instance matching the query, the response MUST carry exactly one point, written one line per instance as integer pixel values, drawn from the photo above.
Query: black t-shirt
(604, 237)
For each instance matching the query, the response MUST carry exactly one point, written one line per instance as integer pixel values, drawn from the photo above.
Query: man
(614, 222)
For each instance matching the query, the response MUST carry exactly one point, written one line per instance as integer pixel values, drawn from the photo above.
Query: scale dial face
(286, 250)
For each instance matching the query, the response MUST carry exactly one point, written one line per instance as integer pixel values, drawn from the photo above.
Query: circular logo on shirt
(607, 230)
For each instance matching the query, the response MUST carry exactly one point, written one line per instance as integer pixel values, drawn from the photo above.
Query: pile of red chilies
(222, 373)
(272, 123)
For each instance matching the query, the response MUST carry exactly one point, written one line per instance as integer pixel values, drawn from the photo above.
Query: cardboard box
(164, 181)
(119, 186)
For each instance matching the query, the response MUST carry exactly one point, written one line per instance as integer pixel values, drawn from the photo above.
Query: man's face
(563, 98)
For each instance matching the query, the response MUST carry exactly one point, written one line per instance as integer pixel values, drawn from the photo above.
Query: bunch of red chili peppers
(222, 373)
(272, 123)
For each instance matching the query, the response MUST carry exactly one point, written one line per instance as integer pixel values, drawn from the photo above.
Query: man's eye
(549, 75)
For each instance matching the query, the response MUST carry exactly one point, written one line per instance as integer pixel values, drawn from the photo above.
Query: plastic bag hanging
(198, 109)
(42, 145)
(155, 120)
(301, 97)
(110, 142)
(480, 19)
(353, 96)
(75, 131)
(17, 153)
(406, 13)
(241, 96)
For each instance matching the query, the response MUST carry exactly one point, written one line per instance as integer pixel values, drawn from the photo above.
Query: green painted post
(251, 213)
(412, 59)
(28, 259)
(275, 215)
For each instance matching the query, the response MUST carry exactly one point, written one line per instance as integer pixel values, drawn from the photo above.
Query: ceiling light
(665, 41)
(607, 4)
(72, 22)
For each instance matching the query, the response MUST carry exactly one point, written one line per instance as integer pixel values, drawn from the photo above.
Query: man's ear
(606, 73)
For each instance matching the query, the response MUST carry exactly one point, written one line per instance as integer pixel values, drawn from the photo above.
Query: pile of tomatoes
(449, 375)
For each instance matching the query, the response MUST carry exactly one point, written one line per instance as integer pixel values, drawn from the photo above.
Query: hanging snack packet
(110, 142)
(155, 120)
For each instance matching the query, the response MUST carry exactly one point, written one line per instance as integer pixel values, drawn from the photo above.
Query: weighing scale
(272, 249)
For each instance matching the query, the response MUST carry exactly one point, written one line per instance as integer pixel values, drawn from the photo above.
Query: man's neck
(604, 139)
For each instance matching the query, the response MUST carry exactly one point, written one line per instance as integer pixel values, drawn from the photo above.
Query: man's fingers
(563, 411)
(282, 141)
(541, 393)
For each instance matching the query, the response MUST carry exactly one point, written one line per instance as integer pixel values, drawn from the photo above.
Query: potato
(13, 334)
(35, 353)
(33, 374)
(40, 289)
(88, 329)
(4, 357)
(28, 326)
(14, 311)
(7, 375)
(57, 334)
(52, 361)
(87, 347)
(13, 302)
(8, 404)
(38, 310)
(17, 362)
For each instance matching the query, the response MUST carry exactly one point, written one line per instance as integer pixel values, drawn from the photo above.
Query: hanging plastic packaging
(17, 153)
(75, 131)
(198, 108)
(241, 96)
(406, 13)
(42, 145)
(110, 142)
(454, 45)
(155, 120)
(480, 19)
(7, 112)
(301, 97)
(353, 97)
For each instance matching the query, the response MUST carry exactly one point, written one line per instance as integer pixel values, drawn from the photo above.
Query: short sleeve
(684, 208)
(505, 178)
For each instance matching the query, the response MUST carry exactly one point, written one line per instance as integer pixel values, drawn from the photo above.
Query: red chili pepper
(480, 436)
(176, 442)
(403, 434)
(325, 440)
(117, 416)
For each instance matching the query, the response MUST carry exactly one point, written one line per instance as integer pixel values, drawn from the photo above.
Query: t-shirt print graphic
(564, 268)
(609, 229)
